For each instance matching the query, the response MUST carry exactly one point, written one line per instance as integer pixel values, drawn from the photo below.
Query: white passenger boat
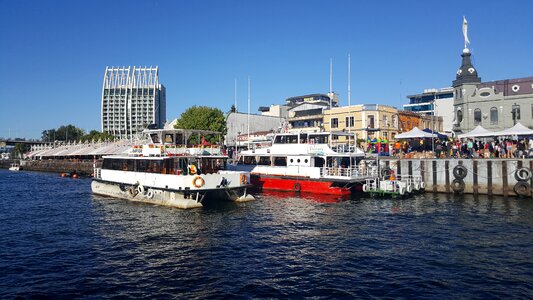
(14, 167)
(315, 162)
(166, 172)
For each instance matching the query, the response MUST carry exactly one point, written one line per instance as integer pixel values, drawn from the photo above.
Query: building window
(515, 112)
(334, 123)
(370, 122)
(477, 116)
(350, 122)
(493, 116)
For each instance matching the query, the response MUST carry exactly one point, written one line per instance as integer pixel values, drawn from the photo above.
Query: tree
(203, 118)
(19, 150)
(97, 135)
(63, 133)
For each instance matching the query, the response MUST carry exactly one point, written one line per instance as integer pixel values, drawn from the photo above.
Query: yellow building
(366, 120)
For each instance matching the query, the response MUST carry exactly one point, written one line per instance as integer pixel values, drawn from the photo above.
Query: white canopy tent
(477, 132)
(518, 129)
(415, 133)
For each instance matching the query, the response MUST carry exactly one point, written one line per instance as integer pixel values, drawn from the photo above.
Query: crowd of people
(466, 148)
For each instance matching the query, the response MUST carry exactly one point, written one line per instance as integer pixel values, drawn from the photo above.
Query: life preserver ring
(417, 186)
(401, 190)
(365, 188)
(422, 185)
(140, 189)
(132, 191)
(522, 174)
(522, 188)
(192, 169)
(409, 188)
(459, 172)
(150, 194)
(297, 187)
(198, 182)
(458, 185)
(243, 179)
(386, 172)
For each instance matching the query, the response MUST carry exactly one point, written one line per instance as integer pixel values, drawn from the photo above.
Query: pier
(469, 176)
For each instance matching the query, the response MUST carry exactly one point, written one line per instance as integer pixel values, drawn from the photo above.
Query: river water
(57, 240)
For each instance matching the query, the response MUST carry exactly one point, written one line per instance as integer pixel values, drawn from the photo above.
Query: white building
(434, 102)
(132, 99)
(240, 123)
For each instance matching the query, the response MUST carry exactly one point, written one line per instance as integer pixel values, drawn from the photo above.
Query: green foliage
(97, 135)
(203, 118)
(19, 149)
(72, 133)
(63, 133)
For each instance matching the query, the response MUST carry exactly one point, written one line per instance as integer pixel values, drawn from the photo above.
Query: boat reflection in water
(319, 198)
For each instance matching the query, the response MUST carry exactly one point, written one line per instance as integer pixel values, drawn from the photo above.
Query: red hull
(299, 185)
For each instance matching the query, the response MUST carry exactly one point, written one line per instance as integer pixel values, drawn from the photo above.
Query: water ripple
(60, 241)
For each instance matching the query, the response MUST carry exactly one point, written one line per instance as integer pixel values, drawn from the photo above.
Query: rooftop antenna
(235, 114)
(235, 94)
(248, 112)
(349, 62)
(330, 82)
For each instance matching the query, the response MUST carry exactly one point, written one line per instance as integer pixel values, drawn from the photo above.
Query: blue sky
(53, 54)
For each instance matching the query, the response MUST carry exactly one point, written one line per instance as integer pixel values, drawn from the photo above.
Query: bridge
(8, 142)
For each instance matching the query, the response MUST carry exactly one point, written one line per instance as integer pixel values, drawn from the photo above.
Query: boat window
(319, 139)
(303, 138)
(292, 139)
(119, 164)
(280, 161)
(169, 138)
(179, 166)
(319, 162)
(142, 165)
(155, 166)
(249, 160)
(264, 161)
(154, 137)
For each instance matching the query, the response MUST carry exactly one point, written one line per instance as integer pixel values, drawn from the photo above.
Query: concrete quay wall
(484, 176)
(58, 166)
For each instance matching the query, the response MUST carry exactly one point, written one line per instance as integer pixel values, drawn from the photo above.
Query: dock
(504, 177)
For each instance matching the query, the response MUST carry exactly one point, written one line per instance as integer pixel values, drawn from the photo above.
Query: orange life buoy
(198, 181)
(243, 179)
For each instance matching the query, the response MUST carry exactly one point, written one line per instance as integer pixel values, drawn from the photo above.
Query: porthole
(515, 88)
(292, 160)
(484, 94)
(298, 160)
(306, 160)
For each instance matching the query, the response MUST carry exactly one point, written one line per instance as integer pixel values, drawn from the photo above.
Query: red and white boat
(314, 162)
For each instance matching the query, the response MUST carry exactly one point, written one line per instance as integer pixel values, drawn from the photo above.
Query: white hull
(167, 197)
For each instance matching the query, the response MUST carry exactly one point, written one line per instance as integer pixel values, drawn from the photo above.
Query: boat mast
(248, 118)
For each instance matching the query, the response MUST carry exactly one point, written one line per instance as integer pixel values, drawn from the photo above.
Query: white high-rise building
(132, 99)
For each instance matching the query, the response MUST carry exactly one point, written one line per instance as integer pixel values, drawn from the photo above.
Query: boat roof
(340, 133)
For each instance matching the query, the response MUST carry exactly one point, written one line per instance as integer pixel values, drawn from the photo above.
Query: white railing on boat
(353, 172)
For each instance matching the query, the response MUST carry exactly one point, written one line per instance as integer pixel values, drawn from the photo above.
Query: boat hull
(174, 198)
(306, 185)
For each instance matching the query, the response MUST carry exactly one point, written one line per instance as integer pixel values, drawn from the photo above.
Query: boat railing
(351, 172)
(344, 148)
